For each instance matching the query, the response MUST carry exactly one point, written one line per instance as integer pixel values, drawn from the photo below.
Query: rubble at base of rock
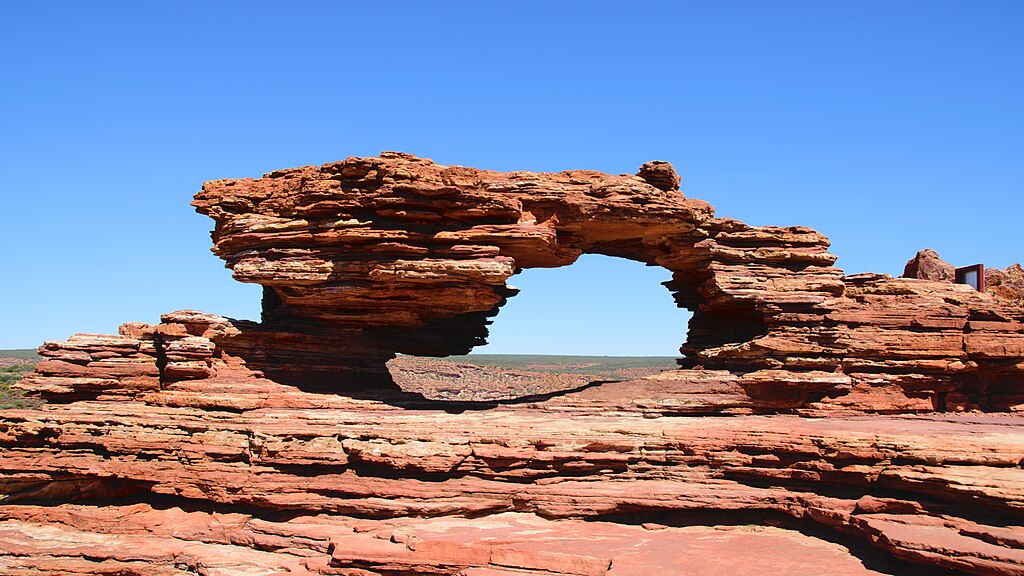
(868, 423)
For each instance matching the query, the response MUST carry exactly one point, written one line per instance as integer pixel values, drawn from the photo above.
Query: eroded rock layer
(208, 445)
(216, 472)
(404, 255)
(368, 257)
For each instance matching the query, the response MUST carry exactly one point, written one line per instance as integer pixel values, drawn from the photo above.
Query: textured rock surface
(927, 265)
(209, 445)
(398, 254)
(1006, 284)
(236, 474)
(444, 380)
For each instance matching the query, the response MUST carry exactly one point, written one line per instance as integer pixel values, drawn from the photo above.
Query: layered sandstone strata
(368, 257)
(210, 445)
(1006, 285)
(235, 474)
(396, 254)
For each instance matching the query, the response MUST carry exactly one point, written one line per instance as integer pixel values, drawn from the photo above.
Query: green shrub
(8, 378)
(19, 368)
(10, 397)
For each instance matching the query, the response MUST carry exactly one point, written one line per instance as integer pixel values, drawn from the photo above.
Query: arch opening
(600, 319)
(598, 306)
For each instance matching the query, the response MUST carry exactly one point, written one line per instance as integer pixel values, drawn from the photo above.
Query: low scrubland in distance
(21, 354)
(14, 364)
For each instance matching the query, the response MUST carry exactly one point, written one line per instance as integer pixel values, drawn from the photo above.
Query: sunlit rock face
(216, 446)
(927, 265)
(1006, 284)
(405, 255)
(368, 257)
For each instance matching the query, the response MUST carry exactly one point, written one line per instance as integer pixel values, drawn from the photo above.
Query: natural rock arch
(368, 257)
(203, 439)
(416, 255)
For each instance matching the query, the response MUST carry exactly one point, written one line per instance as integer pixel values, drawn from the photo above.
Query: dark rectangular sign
(973, 276)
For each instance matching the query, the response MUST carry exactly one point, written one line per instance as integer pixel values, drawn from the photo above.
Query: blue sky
(885, 125)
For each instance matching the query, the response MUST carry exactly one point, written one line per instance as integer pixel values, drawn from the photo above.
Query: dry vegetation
(14, 364)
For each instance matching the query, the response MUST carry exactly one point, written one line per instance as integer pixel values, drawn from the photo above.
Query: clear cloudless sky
(890, 126)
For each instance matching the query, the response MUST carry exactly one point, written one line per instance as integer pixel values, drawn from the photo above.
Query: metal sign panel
(973, 276)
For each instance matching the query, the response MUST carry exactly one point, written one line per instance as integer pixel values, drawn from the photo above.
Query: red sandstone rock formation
(929, 266)
(1007, 284)
(398, 254)
(234, 474)
(217, 446)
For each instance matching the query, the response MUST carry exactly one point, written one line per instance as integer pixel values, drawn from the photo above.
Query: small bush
(10, 397)
(8, 378)
(19, 368)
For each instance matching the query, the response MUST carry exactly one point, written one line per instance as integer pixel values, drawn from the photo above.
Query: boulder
(928, 265)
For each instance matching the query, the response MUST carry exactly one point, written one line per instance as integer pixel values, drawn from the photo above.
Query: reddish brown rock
(409, 256)
(660, 174)
(354, 271)
(927, 265)
(218, 446)
(1006, 285)
(295, 471)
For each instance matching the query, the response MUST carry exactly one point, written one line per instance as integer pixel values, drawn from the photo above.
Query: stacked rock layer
(208, 445)
(398, 254)
(236, 474)
(368, 257)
